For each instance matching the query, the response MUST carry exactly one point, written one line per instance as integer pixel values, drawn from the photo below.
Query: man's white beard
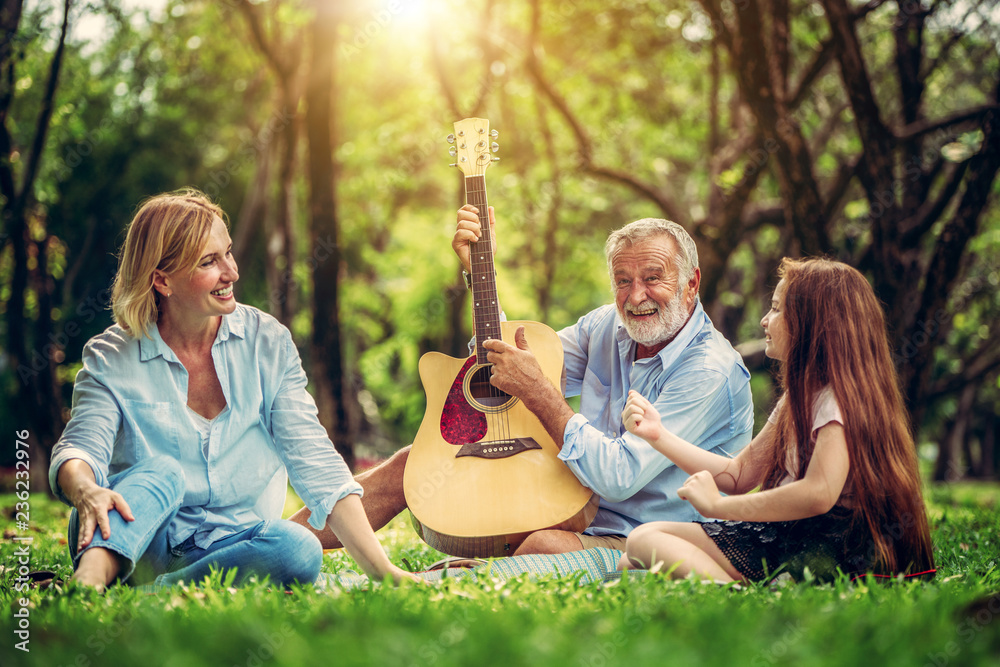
(665, 326)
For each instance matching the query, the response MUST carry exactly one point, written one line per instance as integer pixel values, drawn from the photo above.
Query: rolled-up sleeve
(92, 428)
(317, 471)
(696, 407)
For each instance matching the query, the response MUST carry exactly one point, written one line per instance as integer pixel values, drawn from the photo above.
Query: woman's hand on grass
(400, 575)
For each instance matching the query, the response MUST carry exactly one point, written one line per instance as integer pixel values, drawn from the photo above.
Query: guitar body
(483, 472)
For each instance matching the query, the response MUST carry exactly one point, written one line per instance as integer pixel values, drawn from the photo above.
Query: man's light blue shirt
(699, 385)
(129, 404)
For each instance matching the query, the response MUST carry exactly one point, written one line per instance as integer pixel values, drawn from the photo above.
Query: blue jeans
(154, 489)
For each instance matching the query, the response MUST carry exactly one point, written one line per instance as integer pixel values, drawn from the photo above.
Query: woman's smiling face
(208, 290)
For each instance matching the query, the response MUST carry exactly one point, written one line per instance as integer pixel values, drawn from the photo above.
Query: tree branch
(923, 219)
(582, 140)
(584, 145)
(973, 371)
(823, 57)
(45, 114)
(822, 135)
(756, 216)
(731, 152)
(777, 49)
(839, 185)
(875, 137)
(913, 130)
(811, 73)
(10, 19)
(647, 190)
(793, 165)
(953, 40)
(486, 83)
(949, 250)
(943, 53)
(14, 209)
(252, 15)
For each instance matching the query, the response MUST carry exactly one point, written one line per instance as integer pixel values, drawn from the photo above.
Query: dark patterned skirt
(762, 550)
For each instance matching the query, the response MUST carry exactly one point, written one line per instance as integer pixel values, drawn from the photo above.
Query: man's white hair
(686, 257)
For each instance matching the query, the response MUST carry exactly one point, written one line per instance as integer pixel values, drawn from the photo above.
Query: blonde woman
(187, 416)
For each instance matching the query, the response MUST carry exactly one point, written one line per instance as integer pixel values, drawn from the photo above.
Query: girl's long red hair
(837, 337)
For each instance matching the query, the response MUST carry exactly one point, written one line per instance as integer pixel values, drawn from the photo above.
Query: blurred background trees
(867, 132)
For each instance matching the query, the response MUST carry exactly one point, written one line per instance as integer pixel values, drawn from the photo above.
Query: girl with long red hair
(835, 464)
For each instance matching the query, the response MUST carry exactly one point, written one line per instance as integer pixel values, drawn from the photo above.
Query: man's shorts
(609, 541)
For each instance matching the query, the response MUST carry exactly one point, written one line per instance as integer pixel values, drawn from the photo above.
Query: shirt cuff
(68, 454)
(319, 514)
(572, 448)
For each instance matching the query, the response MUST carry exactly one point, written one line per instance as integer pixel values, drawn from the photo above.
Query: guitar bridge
(497, 449)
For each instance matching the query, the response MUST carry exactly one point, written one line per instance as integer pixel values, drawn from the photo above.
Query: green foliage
(550, 621)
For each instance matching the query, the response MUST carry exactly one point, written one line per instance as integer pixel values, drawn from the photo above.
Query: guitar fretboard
(485, 304)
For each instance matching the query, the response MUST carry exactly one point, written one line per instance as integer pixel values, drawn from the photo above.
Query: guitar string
(483, 251)
(498, 421)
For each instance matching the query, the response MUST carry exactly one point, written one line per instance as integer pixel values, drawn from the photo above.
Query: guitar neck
(485, 304)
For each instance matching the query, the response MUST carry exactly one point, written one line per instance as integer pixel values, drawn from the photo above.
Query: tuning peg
(494, 134)
(450, 138)
(494, 147)
(453, 151)
(496, 159)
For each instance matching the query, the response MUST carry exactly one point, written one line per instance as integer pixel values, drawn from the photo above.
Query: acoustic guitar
(483, 472)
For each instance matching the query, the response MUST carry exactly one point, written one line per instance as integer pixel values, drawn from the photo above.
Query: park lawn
(952, 620)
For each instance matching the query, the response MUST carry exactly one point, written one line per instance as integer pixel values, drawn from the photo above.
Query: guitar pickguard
(461, 423)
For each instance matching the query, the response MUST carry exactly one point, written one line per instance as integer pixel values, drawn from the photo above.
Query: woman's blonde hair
(167, 233)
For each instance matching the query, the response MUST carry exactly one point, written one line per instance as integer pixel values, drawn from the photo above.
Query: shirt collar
(233, 324)
(672, 350)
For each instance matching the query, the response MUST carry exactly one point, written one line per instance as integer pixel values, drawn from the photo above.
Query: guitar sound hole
(483, 392)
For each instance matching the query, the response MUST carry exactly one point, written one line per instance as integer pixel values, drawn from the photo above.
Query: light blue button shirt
(697, 383)
(129, 403)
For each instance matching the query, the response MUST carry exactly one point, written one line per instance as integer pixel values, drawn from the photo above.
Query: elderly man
(656, 339)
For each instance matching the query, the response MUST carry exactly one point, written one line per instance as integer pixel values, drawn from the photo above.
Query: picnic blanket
(590, 565)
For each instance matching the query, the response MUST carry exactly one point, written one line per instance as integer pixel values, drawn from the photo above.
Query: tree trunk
(38, 401)
(990, 448)
(327, 348)
(283, 55)
(289, 102)
(891, 275)
(946, 263)
(949, 466)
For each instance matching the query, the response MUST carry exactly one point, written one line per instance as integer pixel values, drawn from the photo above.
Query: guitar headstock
(471, 146)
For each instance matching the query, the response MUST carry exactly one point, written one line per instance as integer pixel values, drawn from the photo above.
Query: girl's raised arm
(816, 493)
(737, 475)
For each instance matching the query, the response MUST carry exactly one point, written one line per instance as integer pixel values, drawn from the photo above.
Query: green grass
(953, 620)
